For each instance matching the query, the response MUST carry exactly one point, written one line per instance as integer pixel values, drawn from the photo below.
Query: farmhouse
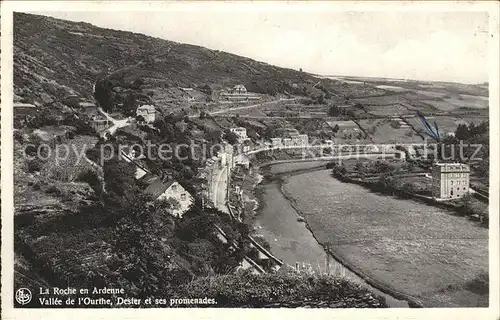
(241, 133)
(239, 89)
(148, 112)
(450, 180)
(24, 112)
(168, 188)
(242, 160)
(296, 139)
(276, 142)
(239, 93)
(191, 94)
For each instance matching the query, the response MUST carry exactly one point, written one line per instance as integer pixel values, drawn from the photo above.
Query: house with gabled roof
(168, 188)
(148, 112)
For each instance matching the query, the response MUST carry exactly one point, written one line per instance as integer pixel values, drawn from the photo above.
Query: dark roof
(156, 186)
(148, 178)
(286, 269)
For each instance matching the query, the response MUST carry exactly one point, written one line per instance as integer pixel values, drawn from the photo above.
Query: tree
(462, 132)
(214, 136)
(120, 183)
(130, 104)
(137, 84)
(206, 89)
(334, 111)
(408, 188)
(231, 137)
(466, 203)
(386, 182)
(139, 252)
(103, 94)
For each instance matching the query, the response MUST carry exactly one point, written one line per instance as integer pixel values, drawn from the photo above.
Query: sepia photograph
(257, 156)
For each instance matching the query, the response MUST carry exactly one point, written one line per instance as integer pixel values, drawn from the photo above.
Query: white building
(148, 112)
(300, 140)
(239, 89)
(450, 180)
(242, 160)
(400, 155)
(276, 142)
(241, 133)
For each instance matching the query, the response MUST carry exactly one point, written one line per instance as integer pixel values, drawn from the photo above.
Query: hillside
(55, 58)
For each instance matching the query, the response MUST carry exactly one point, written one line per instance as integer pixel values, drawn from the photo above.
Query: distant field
(432, 94)
(454, 103)
(392, 88)
(412, 247)
(382, 132)
(342, 124)
(445, 123)
(468, 101)
(390, 110)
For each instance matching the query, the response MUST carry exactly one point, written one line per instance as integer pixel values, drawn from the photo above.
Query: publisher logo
(23, 296)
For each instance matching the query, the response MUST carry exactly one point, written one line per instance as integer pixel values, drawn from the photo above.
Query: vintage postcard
(311, 159)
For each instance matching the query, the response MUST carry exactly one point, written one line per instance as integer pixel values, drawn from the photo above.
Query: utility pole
(328, 258)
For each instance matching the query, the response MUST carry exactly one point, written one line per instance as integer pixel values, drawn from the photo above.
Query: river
(290, 239)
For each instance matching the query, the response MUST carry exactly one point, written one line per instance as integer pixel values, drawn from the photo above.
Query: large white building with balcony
(450, 180)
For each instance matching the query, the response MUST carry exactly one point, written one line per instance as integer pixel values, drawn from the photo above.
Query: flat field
(414, 248)
(382, 132)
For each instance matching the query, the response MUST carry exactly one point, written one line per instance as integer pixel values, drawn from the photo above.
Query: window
(451, 182)
(465, 188)
(183, 197)
(174, 188)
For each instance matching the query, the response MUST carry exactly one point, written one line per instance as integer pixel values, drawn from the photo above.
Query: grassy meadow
(411, 247)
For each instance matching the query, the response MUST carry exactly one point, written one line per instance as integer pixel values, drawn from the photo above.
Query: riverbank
(409, 249)
(290, 239)
(472, 208)
(412, 301)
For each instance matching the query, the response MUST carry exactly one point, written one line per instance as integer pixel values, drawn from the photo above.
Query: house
(400, 155)
(148, 112)
(276, 142)
(191, 94)
(132, 156)
(239, 89)
(300, 140)
(450, 180)
(24, 112)
(287, 142)
(241, 133)
(295, 138)
(168, 188)
(242, 160)
(181, 126)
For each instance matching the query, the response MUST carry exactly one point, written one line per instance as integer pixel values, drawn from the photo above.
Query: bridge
(360, 147)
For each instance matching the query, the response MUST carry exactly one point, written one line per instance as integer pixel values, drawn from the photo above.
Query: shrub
(34, 165)
(54, 190)
(18, 136)
(291, 290)
(395, 124)
(263, 242)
